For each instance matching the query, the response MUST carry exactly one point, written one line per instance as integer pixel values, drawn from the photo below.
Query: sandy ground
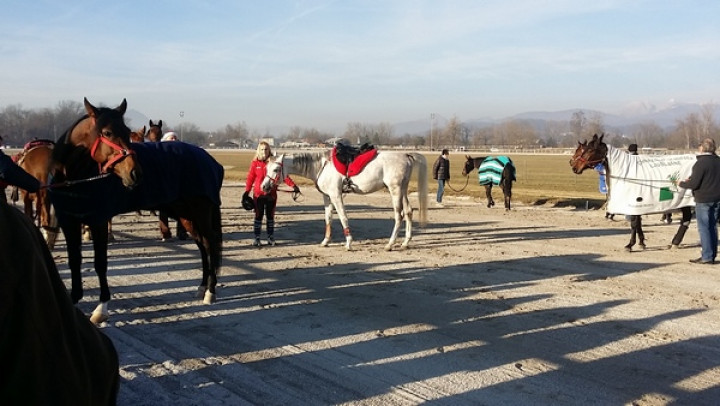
(538, 305)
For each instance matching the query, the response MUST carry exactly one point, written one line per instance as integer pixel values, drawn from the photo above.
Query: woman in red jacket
(264, 202)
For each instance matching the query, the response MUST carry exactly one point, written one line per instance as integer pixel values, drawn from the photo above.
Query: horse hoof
(388, 247)
(209, 298)
(97, 318)
(200, 292)
(628, 248)
(673, 247)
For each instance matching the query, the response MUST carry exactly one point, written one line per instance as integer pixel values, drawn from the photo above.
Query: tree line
(19, 125)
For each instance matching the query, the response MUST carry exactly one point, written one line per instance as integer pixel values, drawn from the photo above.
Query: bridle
(276, 180)
(586, 163)
(115, 158)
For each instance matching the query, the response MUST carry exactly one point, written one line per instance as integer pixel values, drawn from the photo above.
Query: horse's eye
(106, 133)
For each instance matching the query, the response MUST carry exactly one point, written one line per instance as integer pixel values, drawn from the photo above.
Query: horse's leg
(164, 227)
(100, 247)
(397, 201)
(407, 214)
(507, 193)
(680, 233)
(328, 220)
(337, 202)
(72, 230)
(111, 237)
(488, 194)
(636, 232)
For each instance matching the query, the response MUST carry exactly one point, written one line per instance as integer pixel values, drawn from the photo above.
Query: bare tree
(577, 123)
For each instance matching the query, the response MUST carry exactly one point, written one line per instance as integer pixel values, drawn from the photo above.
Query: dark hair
(632, 148)
(445, 152)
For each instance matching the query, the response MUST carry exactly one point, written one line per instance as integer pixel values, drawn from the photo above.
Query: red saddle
(356, 165)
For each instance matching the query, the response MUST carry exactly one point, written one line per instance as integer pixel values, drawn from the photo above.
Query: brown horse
(35, 159)
(155, 133)
(138, 135)
(589, 155)
(181, 178)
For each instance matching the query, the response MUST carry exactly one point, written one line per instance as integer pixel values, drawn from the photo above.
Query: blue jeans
(707, 218)
(441, 190)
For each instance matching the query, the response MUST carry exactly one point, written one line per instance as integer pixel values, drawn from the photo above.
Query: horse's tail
(420, 162)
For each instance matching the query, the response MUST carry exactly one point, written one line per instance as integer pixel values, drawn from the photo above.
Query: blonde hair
(260, 155)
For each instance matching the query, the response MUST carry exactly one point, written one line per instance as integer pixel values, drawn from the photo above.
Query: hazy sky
(323, 64)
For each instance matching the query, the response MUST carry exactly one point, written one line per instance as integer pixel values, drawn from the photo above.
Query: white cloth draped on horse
(646, 184)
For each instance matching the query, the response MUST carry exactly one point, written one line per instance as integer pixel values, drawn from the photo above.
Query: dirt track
(536, 306)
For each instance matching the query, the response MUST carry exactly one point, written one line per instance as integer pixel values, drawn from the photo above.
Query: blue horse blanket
(491, 169)
(171, 171)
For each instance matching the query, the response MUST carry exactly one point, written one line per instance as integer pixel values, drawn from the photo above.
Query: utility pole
(182, 114)
(432, 125)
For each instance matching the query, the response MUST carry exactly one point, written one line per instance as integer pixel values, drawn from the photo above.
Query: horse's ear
(89, 108)
(160, 123)
(122, 107)
(151, 124)
(601, 137)
(143, 130)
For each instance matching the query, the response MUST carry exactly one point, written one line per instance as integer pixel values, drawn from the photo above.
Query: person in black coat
(441, 173)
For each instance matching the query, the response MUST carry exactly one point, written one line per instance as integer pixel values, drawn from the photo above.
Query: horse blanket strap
(646, 184)
(354, 166)
(491, 169)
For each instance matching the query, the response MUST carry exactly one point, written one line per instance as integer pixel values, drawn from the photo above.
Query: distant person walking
(704, 181)
(441, 173)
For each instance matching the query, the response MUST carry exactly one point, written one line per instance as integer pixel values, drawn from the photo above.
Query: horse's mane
(309, 162)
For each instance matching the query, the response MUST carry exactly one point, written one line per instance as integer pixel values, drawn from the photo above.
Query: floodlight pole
(182, 114)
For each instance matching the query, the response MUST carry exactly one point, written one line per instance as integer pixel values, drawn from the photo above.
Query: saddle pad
(357, 164)
(171, 170)
(644, 184)
(491, 169)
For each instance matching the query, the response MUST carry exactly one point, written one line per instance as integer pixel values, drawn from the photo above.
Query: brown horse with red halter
(103, 135)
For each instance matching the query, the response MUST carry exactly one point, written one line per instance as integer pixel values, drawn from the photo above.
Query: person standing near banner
(704, 181)
(635, 220)
(441, 173)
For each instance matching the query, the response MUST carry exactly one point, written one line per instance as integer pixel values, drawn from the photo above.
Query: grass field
(541, 179)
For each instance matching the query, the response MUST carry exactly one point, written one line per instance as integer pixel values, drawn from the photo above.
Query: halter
(114, 159)
(586, 162)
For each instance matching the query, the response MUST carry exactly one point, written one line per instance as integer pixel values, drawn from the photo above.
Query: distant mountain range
(635, 114)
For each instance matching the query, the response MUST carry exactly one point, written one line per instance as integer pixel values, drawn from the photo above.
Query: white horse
(387, 169)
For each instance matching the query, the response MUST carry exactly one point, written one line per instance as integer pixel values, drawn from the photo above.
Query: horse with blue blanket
(180, 178)
(492, 170)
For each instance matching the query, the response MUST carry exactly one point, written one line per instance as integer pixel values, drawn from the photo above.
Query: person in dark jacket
(441, 173)
(12, 174)
(704, 181)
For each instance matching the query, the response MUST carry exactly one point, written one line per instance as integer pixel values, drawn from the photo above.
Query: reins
(75, 182)
(467, 179)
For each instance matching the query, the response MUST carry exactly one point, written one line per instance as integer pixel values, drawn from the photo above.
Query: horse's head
(273, 173)
(469, 165)
(155, 132)
(588, 154)
(104, 133)
(138, 136)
